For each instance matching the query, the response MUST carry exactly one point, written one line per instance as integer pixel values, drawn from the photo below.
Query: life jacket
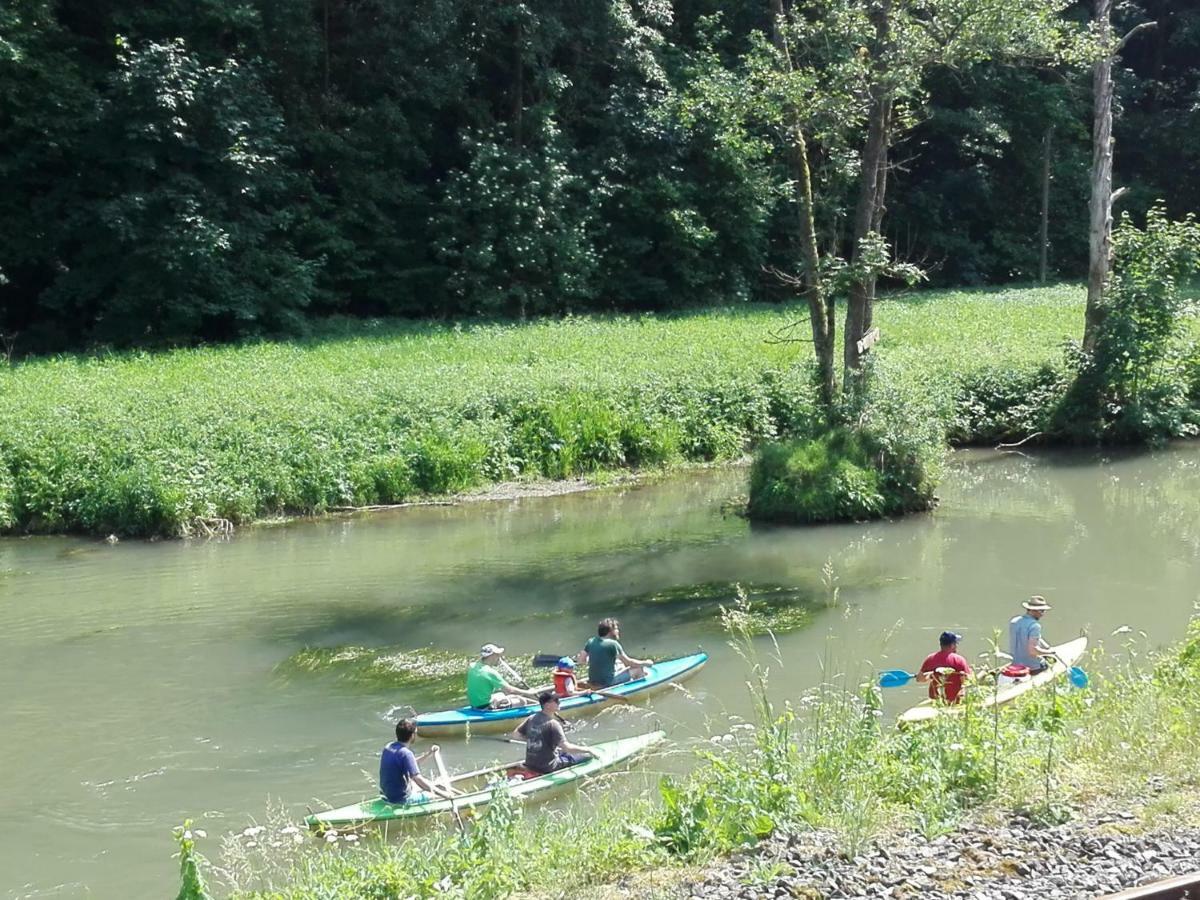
(1015, 670)
(563, 682)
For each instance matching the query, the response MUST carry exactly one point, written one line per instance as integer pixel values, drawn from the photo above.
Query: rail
(1184, 886)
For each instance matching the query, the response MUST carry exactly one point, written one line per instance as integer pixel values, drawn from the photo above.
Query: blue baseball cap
(949, 637)
(566, 663)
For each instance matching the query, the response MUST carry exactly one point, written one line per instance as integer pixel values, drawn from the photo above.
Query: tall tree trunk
(868, 212)
(821, 312)
(1100, 205)
(880, 209)
(1103, 197)
(872, 180)
(1044, 240)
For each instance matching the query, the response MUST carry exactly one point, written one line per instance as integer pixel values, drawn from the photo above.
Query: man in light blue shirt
(1025, 635)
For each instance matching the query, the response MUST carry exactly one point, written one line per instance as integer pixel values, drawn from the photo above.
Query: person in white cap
(1025, 635)
(487, 688)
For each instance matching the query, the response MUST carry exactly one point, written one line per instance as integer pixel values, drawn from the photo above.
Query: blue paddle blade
(1078, 677)
(895, 678)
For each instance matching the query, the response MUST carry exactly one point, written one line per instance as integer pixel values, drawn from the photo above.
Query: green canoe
(476, 789)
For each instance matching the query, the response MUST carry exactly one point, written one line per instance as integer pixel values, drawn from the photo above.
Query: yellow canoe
(1066, 656)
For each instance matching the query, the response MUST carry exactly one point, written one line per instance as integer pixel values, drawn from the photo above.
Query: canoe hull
(380, 812)
(1068, 654)
(661, 675)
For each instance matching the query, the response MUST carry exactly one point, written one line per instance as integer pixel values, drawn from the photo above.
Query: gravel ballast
(1016, 861)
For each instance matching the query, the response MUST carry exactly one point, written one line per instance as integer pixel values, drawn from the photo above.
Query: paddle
(514, 673)
(444, 779)
(899, 678)
(1075, 675)
(895, 678)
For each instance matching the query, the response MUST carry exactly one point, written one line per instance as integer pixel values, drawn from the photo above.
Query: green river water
(142, 682)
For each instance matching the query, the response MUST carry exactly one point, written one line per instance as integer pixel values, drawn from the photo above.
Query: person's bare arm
(430, 788)
(520, 692)
(631, 662)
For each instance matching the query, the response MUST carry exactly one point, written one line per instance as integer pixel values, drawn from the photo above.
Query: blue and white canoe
(659, 675)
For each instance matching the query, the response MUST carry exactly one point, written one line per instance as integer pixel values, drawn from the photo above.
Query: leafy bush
(824, 479)
(1137, 385)
(997, 404)
(889, 463)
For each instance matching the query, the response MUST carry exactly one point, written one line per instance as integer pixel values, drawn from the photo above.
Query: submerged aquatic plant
(436, 673)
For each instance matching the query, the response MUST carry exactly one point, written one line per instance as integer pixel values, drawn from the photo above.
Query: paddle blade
(895, 678)
(1078, 677)
(547, 660)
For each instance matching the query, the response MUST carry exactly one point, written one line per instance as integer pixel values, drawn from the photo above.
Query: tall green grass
(367, 413)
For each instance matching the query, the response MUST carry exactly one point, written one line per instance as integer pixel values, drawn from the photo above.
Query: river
(141, 682)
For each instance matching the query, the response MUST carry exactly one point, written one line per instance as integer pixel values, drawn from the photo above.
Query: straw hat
(1037, 602)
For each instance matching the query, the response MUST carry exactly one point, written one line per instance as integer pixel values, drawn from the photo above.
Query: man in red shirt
(945, 669)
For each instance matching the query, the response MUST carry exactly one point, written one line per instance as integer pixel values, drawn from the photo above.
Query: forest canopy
(202, 171)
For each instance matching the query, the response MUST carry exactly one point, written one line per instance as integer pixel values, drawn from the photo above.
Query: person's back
(397, 765)
(946, 687)
(602, 653)
(1023, 633)
(543, 734)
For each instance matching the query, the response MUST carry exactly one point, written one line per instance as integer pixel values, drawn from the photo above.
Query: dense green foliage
(842, 474)
(1136, 386)
(149, 443)
(826, 761)
(179, 172)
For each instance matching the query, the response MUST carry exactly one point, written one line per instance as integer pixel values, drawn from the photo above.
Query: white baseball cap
(489, 649)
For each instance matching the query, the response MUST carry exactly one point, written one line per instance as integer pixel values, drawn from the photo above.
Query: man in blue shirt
(398, 769)
(1025, 635)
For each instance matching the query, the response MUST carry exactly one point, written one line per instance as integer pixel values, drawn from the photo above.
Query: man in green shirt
(486, 687)
(603, 653)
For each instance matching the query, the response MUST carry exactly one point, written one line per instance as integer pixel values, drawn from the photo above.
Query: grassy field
(366, 413)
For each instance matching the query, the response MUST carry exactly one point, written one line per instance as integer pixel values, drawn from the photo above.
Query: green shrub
(997, 404)
(883, 467)
(383, 479)
(1137, 384)
(829, 478)
(443, 464)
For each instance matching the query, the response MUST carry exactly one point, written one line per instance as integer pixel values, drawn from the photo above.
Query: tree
(1100, 248)
(907, 40)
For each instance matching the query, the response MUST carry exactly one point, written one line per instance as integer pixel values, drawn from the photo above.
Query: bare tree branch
(1132, 33)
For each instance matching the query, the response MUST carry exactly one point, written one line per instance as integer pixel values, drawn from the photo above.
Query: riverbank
(836, 802)
(376, 414)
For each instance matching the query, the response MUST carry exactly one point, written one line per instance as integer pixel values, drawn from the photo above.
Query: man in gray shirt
(1025, 642)
(546, 746)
